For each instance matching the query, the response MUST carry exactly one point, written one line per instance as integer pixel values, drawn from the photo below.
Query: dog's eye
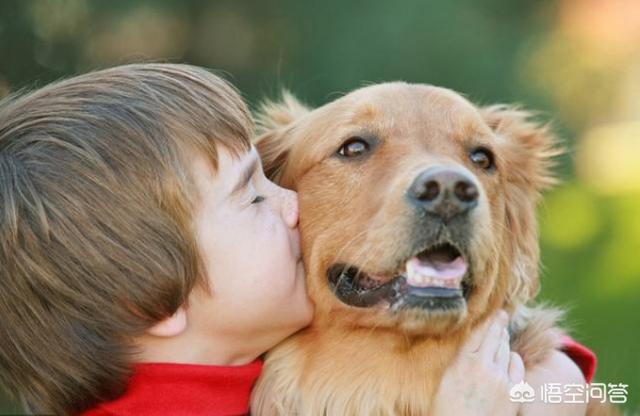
(354, 147)
(483, 158)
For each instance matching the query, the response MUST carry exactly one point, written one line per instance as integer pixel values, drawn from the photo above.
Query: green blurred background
(576, 60)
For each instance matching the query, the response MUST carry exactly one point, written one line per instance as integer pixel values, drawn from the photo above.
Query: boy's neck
(187, 348)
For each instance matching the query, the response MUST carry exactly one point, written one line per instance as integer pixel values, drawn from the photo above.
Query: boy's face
(247, 233)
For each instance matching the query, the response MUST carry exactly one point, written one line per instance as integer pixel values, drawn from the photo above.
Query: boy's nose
(290, 211)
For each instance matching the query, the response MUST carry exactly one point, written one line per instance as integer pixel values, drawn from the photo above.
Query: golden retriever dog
(417, 221)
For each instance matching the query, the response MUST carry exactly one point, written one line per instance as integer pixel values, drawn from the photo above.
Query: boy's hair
(96, 230)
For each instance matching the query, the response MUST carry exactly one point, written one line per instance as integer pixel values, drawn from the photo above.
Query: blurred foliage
(578, 61)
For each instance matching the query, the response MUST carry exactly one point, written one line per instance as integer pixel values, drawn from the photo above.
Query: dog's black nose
(444, 191)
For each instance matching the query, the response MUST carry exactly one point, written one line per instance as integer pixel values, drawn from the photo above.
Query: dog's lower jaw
(322, 373)
(418, 323)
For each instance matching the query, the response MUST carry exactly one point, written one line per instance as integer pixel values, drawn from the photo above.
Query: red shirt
(160, 389)
(584, 358)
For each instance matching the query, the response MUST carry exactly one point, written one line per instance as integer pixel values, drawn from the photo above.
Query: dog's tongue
(435, 272)
(441, 269)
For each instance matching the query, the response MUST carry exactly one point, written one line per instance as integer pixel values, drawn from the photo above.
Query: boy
(100, 251)
(145, 260)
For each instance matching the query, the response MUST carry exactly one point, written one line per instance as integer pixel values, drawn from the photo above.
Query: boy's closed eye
(258, 199)
(245, 176)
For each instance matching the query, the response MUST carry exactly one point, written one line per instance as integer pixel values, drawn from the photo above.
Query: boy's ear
(171, 326)
(527, 154)
(275, 121)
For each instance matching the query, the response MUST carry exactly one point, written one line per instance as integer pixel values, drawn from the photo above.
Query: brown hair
(96, 238)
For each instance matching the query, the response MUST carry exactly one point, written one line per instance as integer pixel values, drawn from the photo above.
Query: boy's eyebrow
(245, 176)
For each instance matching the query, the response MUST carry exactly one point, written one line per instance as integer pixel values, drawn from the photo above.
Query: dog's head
(417, 207)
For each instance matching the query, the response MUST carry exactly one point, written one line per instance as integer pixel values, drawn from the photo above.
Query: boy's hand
(479, 380)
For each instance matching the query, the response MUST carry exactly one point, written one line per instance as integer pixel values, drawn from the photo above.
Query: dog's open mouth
(435, 278)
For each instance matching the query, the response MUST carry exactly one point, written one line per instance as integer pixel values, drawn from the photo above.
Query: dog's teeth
(416, 279)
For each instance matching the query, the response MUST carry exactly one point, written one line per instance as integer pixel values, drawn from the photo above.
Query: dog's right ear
(275, 122)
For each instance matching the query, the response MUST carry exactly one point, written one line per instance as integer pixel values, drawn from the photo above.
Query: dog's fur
(373, 361)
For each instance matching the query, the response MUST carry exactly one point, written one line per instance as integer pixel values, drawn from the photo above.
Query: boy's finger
(503, 353)
(478, 335)
(516, 369)
(492, 340)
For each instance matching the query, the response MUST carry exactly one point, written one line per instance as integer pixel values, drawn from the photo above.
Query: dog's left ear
(528, 150)
(275, 124)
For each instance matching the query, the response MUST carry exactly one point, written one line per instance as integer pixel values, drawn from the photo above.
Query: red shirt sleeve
(584, 358)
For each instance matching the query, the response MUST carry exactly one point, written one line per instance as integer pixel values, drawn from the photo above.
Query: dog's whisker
(338, 256)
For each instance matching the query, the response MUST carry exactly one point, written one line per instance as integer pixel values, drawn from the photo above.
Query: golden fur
(369, 361)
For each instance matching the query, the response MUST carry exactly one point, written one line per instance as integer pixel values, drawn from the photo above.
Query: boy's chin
(297, 326)
(280, 333)
(300, 317)
(301, 274)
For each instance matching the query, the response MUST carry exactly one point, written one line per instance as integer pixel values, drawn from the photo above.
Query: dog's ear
(274, 122)
(528, 150)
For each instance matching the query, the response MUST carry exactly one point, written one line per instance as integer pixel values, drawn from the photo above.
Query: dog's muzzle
(435, 278)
